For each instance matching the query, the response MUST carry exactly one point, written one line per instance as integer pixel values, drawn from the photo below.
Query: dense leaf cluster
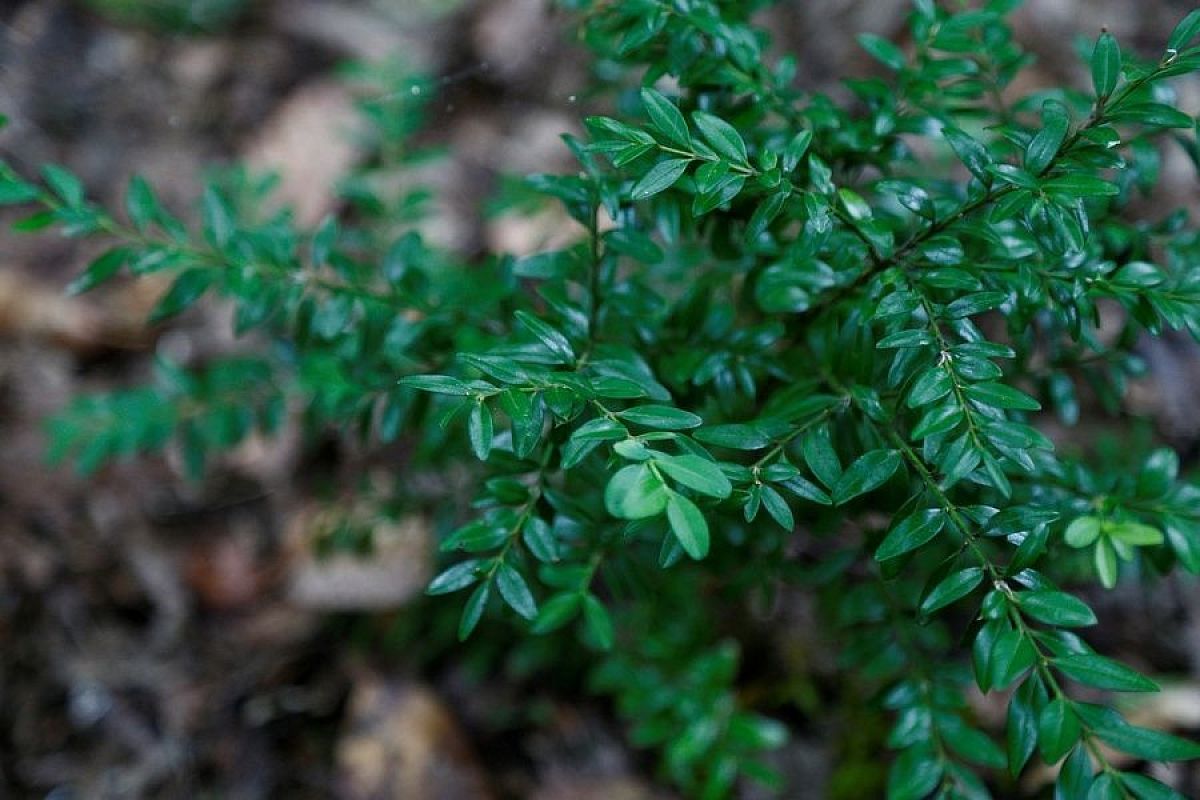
(797, 341)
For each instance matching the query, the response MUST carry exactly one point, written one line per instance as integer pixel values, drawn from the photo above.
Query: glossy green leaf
(1021, 729)
(1106, 787)
(658, 417)
(667, 119)
(999, 395)
(1105, 559)
(1075, 777)
(1044, 146)
(952, 588)
(1103, 673)
(766, 213)
(721, 136)
(778, 508)
(910, 533)
(459, 576)
(1159, 471)
(914, 775)
(601, 429)
(973, 154)
(1082, 531)
(975, 303)
(734, 437)
(1106, 64)
(901, 339)
(1145, 788)
(662, 176)
(796, 149)
(438, 384)
(539, 538)
(475, 537)
(515, 591)
(1183, 33)
(1080, 186)
(526, 412)
(632, 449)
(696, 473)
(933, 384)
(688, 525)
(480, 430)
(553, 339)
(1056, 608)
(940, 419)
(819, 455)
(1134, 534)
(869, 471)
(635, 492)
(1153, 114)
(975, 746)
(1058, 730)
(1139, 742)
(1011, 655)
(807, 490)
(473, 611)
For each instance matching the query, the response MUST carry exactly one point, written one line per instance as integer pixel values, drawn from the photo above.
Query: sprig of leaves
(782, 329)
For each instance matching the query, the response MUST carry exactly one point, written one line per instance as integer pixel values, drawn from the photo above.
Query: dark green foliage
(784, 328)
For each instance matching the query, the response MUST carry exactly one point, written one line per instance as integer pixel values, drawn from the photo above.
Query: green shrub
(797, 344)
